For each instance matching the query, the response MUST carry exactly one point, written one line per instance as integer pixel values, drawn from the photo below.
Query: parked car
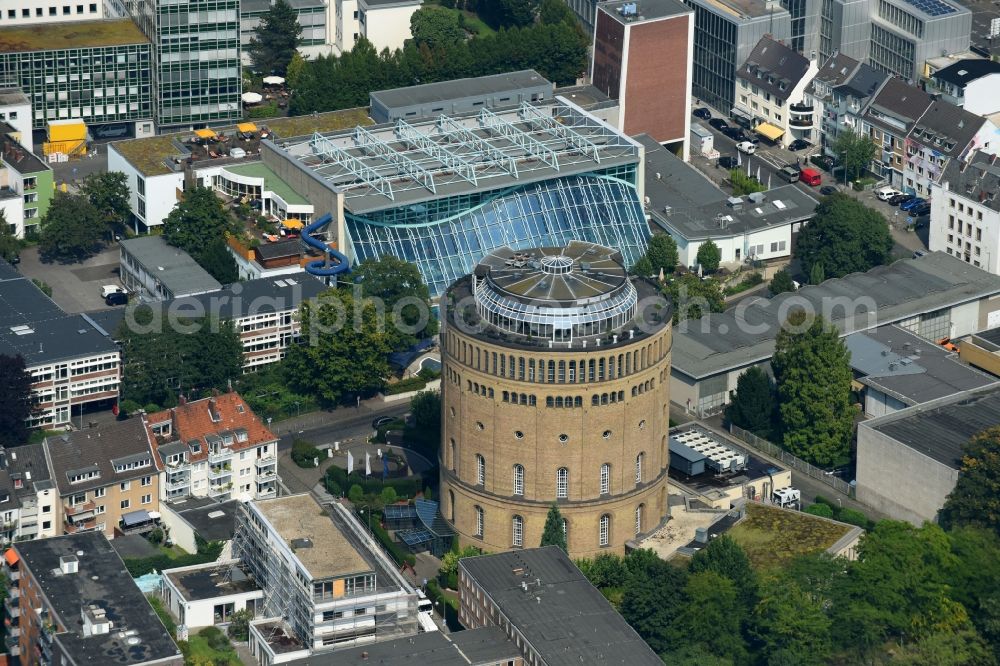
(733, 132)
(789, 173)
(919, 253)
(810, 177)
(912, 203)
(824, 162)
(886, 193)
(702, 113)
(922, 209)
(746, 147)
(108, 289)
(381, 421)
(718, 123)
(116, 298)
(899, 199)
(727, 162)
(798, 144)
(827, 190)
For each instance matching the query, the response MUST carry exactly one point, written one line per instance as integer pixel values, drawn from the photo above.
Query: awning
(134, 518)
(770, 131)
(246, 127)
(742, 113)
(252, 97)
(10, 556)
(292, 224)
(204, 133)
(273, 80)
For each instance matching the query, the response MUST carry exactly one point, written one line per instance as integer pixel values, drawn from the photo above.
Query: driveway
(75, 287)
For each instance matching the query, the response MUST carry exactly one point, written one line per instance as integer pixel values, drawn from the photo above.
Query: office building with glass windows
(196, 59)
(96, 71)
(443, 193)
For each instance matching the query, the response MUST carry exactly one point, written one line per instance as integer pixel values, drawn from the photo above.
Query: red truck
(810, 177)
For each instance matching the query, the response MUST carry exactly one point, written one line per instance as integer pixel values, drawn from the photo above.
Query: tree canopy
(855, 152)
(16, 403)
(10, 246)
(199, 225)
(343, 350)
(813, 372)
(652, 602)
(693, 297)
(218, 261)
(400, 292)
(162, 359)
(845, 236)
(72, 229)
(782, 282)
(275, 39)
(108, 193)
(436, 27)
(552, 533)
(975, 500)
(709, 256)
(752, 408)
(662, 254)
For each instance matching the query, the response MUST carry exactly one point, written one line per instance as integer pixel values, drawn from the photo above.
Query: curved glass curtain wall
(446, 238)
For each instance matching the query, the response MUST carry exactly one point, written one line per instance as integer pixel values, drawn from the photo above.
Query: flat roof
(212, 520)
(300, 517)
(588, 97)
(475, 86)
(939, 429)
(645, 10)
(743, 9)
(13, 96)
(720, 342)
(70, 35)
(564, 618)
(211, 581)
(101, 580)
(173, 267)
(151, 156)
(966, 71)
(272, 182)
(378, 169)
(686, 203)
(473, 647)
(909, 368)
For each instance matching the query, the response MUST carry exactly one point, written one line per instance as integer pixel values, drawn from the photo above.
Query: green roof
(72, 35)
(150, 155)
(271, 181)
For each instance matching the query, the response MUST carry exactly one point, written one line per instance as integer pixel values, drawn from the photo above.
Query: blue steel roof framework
(447, 155)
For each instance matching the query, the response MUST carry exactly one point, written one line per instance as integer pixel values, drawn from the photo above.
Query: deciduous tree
(552, 533)
(845, 236)
(215, 257)
(436, 26)
(813, 372)
(709, 256)
(403, 296)
(653, 601)
(855, 152)
(16, 403)
(714, 615)
(693, 297)
(10, 246)
(752, 407)
(662, 254)
(790, 627)
(975, 500)
(275, 39)
(72, 229)
(782, 282)
(108, 193)
(727, 558)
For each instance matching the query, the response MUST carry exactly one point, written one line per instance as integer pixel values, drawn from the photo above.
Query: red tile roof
(193, 421)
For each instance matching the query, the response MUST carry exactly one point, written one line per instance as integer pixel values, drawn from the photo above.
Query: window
(125, 503)
(147, 499)
(562, 483)
(638, 518)
(517, 538)
(638, 468)
(46, 524)
(518, 480)
(480, 470)
(125, 485)
(479, 521)
(100, 509)
(604, 529)
(605, 479)
(146, 480)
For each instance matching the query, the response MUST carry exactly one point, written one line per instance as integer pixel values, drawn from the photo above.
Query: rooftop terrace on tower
(562, 298)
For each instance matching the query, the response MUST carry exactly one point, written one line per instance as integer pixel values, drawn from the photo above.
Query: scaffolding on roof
(483, 149)
(369, 142)
(323, 147)
(408, 133)
(533, 115)
(525, 141)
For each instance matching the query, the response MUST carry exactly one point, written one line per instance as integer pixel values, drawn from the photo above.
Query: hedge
(405, 385)
(435, 595)
(140, 566)
(337, 481)
(304, 453)
(822, 510)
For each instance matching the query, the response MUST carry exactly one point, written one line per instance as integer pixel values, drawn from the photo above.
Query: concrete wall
(161, 191)
(878, 403)
(899, 481)
(386, 27)
(181, 533)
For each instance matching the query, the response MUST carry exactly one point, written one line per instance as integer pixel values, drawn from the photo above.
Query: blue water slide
(323, 267)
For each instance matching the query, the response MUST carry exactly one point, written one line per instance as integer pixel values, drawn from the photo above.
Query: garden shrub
(304, 454)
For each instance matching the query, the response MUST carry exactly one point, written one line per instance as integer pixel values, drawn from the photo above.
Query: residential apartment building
(631, 41)
(215, 447)
(972, 83)
(103, 474)
(96, 71)
(74, 365)
(840, 91)
(326, 583)
(965, 212)
(15, 110)
(195, 59)
(72, 602)
(771, 88)
(35, 12)
(725, 32)
(944, 133)
(36, 494)
(888, 119)
(544, 603)
(26, 177)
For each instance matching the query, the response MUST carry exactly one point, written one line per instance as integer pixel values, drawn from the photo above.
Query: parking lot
(75, 287)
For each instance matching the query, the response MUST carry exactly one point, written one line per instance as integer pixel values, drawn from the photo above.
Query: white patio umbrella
(251, 98)
(273, 80)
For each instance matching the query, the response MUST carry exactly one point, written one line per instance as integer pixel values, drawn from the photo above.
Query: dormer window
(18, 484)
(162, 429)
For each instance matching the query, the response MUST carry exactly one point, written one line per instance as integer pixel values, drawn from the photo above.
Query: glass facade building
(448, 239)
(102, 78)
(196, 52)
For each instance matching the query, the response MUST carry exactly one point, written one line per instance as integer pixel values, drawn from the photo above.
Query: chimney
(181, 400)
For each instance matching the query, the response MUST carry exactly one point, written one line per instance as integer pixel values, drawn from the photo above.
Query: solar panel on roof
(932, 7)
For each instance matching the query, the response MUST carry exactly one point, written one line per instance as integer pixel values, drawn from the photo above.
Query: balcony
(13, 607)
(220, 471)
(267, 491)
(177, 481)
(219, 489)
(79, 510)
(805, 122)
(269, 461)
(220, 455)
(801, 109)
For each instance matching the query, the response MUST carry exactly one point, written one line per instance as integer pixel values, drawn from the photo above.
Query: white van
(886, 193)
